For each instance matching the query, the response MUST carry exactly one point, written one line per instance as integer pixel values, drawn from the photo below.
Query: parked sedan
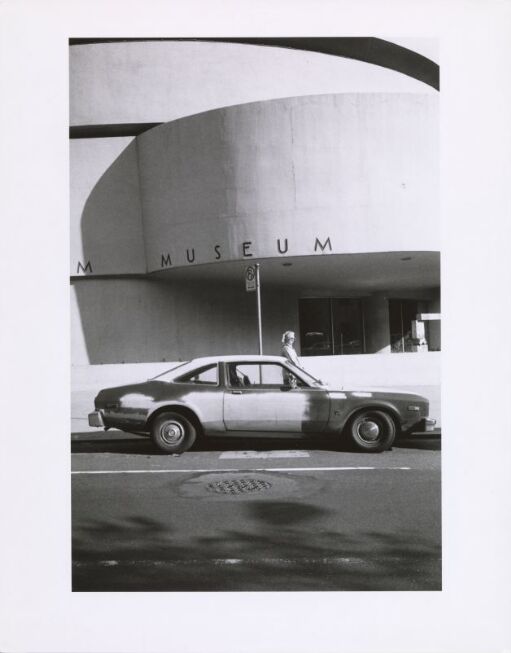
(256, 396)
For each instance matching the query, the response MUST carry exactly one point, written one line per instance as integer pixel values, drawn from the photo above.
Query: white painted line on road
(334, 560)
(234, 471)
(232, 455)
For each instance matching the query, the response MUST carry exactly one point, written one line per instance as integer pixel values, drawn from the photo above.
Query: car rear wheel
(173, 433)
(372, 430)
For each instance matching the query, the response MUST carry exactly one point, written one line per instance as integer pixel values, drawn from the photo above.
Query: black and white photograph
(255, 276)
(254, 298)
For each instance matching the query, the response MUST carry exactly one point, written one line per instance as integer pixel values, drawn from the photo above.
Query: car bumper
(96, 419)
(427, 424)
(424, 425)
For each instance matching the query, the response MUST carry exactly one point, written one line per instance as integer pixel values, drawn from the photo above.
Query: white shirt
(289, 353)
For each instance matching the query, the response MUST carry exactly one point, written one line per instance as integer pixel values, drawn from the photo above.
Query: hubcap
(369, 430)
(172, 432)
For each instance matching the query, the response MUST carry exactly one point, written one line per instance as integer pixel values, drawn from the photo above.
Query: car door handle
(236, 392)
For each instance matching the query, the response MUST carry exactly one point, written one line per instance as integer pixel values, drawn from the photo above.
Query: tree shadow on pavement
(282, 549)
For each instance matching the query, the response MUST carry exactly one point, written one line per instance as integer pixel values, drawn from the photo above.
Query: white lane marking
(234, 471)
(232, 455)
(334, 560)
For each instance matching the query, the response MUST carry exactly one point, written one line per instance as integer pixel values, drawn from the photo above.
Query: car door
(260, 398)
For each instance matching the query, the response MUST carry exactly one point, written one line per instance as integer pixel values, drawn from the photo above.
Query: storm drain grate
(238, 486)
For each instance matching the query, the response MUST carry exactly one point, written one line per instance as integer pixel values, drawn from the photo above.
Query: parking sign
(250, 278)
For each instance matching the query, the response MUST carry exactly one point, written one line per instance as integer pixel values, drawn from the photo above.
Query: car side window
(207, 375)
(261, 375)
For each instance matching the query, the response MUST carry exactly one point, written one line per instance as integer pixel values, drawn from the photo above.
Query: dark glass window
(331, 326)
(315, 327)
(401, 314)
(347, 326)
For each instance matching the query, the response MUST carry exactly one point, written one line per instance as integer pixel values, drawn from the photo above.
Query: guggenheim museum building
(191, 159)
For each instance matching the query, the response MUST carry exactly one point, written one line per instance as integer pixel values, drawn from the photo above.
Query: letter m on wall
(322, 246)
(165, 260)
(81, 268)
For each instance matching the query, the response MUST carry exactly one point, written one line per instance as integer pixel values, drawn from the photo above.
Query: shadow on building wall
(136, 320)
(111, 221)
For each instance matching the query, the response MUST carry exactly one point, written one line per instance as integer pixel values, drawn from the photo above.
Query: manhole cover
(238, 486)
(247, 484)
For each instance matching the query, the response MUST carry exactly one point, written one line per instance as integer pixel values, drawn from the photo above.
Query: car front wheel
(173, 433)
(373, 431)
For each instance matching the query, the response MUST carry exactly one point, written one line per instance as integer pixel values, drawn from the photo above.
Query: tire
(173, 433)
(372, 430)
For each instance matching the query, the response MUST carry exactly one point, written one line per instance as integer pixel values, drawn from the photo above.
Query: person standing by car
(288, 350)
(289, 353)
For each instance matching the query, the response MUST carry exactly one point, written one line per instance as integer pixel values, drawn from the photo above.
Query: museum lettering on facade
(282, 247)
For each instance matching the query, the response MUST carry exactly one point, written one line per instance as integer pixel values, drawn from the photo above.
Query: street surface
(254, 515)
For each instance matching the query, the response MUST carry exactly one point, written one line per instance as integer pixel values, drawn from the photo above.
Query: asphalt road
(254, 515)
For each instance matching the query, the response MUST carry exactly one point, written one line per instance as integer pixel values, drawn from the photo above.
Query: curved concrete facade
(332, 174)
(343, 173)
(133, 82)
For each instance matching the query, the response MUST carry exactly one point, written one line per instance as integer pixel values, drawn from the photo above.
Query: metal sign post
(253, 282)
(259, 319)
